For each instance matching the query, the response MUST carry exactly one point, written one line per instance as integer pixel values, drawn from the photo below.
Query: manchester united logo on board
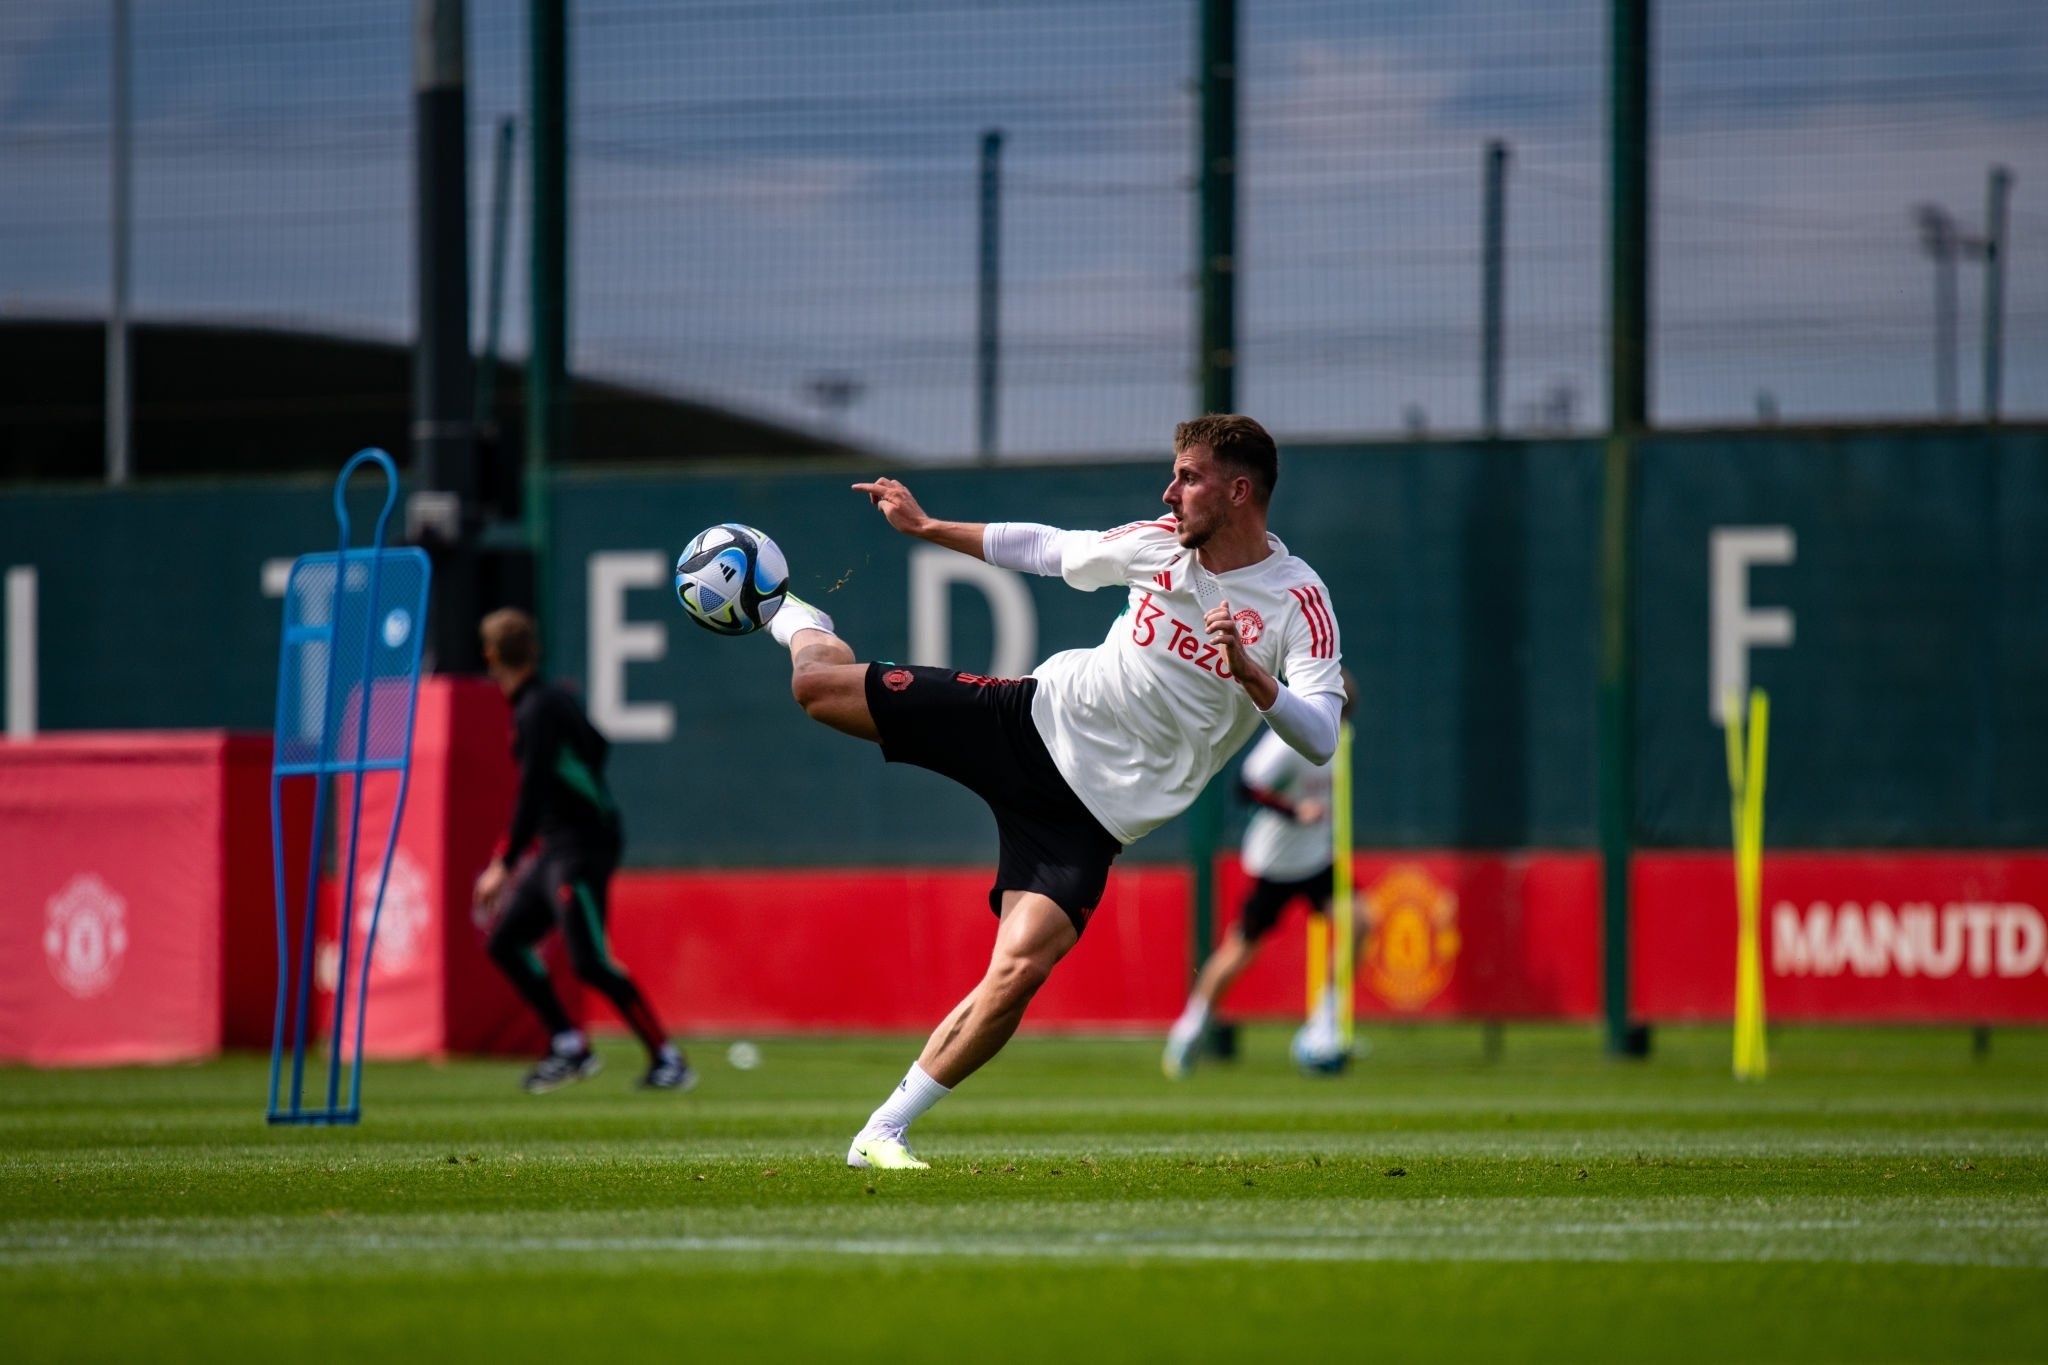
(1413, 946)
(1250, 626)
(85, 935)
(403, 923)
(897, 679)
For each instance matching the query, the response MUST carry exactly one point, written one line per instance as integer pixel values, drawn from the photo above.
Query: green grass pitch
(1883, 1196)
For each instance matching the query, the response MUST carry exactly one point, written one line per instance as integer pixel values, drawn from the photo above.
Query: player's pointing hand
(1221, 623)
(892, 498)
(1222, 627)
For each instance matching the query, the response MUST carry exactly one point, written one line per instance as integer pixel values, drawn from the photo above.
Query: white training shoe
(794, 615)
(1179, 1057)
(884, 1149)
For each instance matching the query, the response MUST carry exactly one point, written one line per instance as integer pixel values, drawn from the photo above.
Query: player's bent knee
(810, 687)
(834, 694)
(822, 686)
(1018, 977)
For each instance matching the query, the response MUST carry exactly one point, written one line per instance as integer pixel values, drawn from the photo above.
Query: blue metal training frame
(347, 687)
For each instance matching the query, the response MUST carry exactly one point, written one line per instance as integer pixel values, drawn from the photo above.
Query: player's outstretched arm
(893, 499)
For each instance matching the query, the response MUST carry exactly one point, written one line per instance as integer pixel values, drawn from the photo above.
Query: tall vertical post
(443, 431)
(1996, 195)
(548, 283)
(22, 644)
(1216, 353)
(1492, 276)
(1945, 326)
(494, 278)
(1215, 357)
(1942, 240)
(120, 390)
(1628, 341)
(988, 297)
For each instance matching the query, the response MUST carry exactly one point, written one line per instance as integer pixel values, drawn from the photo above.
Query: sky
(777, 199)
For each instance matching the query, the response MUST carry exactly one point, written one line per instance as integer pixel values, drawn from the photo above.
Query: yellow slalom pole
(1318, 962)
(1746, 810)
(1343, 902)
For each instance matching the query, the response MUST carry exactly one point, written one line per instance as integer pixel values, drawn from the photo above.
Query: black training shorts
(978, 731)
(1268, 898)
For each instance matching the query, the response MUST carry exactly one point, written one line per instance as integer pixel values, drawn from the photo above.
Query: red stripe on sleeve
(1322, 610)
(1318, 647)
(1166, 525)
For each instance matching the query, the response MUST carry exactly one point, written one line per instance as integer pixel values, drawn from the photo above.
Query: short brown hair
(1237, 441)
(511, 635)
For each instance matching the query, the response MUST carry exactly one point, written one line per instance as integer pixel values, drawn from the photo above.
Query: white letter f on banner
(1733, 627)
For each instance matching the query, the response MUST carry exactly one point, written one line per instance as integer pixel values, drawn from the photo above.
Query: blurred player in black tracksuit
(566, 808)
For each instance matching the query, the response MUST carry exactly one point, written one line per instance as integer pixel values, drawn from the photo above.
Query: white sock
(794, 615)
(914, 1094)
(569, 1043)
(1192, 1020)
(668, 1053)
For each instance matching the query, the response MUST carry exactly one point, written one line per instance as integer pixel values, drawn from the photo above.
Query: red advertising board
(894, 949)
(883, 949)
(1904, 938)
(137, 875)
(1451, 935)
(136, 922)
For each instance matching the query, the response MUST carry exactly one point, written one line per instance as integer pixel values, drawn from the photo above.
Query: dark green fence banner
(1889, 589)
(1462, 582)
(1890, 594)
(152, 606)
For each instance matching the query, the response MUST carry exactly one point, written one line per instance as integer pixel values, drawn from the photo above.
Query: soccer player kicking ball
(1288, 851)
(1100, 746)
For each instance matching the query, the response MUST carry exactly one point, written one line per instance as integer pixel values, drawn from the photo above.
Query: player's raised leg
(1035, 934)
(824, 678)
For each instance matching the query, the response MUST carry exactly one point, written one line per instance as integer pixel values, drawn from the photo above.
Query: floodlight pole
(1941, 240)
(494, 278)
(445, 514)
(988, 297)
(120, 387)
(1492, 287)
(1215, 360)
(548, 280)
(1996, 195)
(1628, 364)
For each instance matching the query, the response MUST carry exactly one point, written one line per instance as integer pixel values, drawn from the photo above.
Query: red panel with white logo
(1911, 937)
(110, 907)
(403, 1014)
(1458, 935)
(431, 989)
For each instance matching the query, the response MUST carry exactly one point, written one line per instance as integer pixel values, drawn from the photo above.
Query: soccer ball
(1316, 1048)
(731, 579)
